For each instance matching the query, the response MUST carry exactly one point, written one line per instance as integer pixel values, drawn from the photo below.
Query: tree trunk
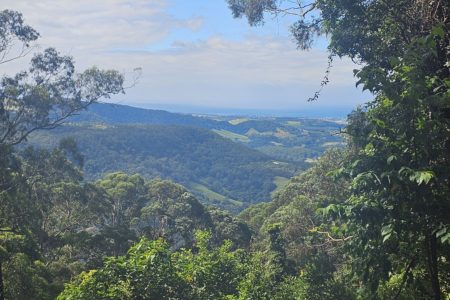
(433, 266)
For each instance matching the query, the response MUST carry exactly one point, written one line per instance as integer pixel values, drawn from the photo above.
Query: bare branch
(24, 52)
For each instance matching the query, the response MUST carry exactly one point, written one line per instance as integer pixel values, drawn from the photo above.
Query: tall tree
(50, 91)
(42, 97)
(400, 169)
(398, 211)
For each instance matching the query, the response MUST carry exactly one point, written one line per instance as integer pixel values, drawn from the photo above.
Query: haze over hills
(286, 138)
(224, 172)
(122, 202)
(124, 114)
(227, 161)
(311, 110)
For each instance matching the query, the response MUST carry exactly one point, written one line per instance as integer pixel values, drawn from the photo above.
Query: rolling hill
(218, 170)
(294, 140)
(228, 161)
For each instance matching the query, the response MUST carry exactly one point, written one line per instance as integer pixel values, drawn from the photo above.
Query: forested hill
(218, 170)
(369, 220)
(288, 139)
(123, 114)
(228, 161)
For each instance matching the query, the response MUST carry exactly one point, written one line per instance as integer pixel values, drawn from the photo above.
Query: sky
(193, 55)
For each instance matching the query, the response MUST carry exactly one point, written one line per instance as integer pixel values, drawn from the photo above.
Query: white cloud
(219, 72)
(99, 25)
(255, 71)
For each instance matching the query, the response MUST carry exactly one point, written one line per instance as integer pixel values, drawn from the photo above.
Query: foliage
(228, 227)
(399, 208)
(151, 271)
(35, 204)
(186, 155)
(310, 243)
(395, 221)
(367, 31)
(287, 139)
(367, 222)
(145, 273)
(173, 213)
(50, 91)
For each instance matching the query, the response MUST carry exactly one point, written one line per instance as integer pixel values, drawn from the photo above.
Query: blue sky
(192, 54)
(219, 21)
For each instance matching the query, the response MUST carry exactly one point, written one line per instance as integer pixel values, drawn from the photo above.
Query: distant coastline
(336, 112)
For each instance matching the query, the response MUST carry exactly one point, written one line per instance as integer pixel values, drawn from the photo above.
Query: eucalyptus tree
(50, 90)
(41, 97)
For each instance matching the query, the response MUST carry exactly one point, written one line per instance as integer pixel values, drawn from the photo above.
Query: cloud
(258, 71)
(86, 25)
(246, 72)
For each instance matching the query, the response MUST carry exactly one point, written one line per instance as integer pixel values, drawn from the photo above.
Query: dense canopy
(366, 221)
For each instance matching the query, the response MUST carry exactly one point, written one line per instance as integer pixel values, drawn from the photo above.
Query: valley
(227, 161)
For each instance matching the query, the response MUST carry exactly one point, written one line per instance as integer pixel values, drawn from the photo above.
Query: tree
(397, 213)
(125, 195)
(151, 271)
(50, 91)
(400, 193)
(228, 227)
(310, 242)
(22, 275)
(146, 272)
(42, 97)
(12, 31)
(368, 32)
(171, 213)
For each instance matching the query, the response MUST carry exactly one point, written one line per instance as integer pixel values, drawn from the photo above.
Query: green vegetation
(368, 221)
(280, 183)
(232, 136)
(62, 226)
(300, 138)
(187, 155)
(238, 121)
(394, 222)
(215, 198)
(194, 155)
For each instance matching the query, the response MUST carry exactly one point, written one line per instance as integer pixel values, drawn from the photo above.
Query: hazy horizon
(313, 111)
(191, 54)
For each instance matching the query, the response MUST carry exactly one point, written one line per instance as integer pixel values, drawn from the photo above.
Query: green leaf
(369, 150)
(447, 82)
(387, 237)
(438, 31)
(421, 177)
(335, 173)
(445, 238)
(386, 232)
(356, 163)
(332, 208)
(394, 61)
(441, 231)
(379, 123)
(391, 158)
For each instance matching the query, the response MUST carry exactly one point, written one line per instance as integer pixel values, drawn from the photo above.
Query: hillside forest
(115, 202)
(230, 163)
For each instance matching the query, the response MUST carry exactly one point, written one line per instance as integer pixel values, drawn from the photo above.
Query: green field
(294, 123)
(238, 121)
(214, 196)
(280, 182)
(231, 135)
